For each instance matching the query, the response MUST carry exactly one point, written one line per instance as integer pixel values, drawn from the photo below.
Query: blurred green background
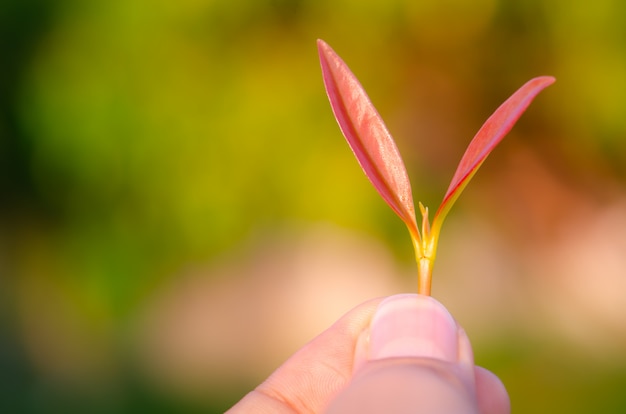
(179, 212)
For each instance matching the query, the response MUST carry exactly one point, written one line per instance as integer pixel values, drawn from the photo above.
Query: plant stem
(424, 275)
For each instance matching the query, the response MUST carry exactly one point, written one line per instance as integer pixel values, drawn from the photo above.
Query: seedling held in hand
(380, 159)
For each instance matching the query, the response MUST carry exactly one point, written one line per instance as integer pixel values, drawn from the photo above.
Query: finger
(417, 360)
(491, 393)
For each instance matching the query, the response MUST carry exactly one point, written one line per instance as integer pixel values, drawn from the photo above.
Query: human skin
(400, 354)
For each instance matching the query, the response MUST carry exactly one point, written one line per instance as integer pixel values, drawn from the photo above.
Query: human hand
(400, 354)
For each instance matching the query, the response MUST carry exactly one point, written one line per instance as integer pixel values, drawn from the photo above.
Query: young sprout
(376, 152)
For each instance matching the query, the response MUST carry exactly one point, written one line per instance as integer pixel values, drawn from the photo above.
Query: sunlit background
(179, 211)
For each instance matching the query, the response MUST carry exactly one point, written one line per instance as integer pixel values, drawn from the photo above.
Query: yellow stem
(424, 275)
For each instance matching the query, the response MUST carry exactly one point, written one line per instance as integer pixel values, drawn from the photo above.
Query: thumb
(414, 358)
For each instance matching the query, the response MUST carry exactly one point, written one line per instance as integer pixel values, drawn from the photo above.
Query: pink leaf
(367, 136)
(486, 139)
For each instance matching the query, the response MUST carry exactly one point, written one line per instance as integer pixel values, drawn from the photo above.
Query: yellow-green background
(140, 138)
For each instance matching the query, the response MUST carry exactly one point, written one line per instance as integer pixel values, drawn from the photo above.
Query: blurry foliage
(137, 136)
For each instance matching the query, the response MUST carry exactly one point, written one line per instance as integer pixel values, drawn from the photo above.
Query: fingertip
(414, 356)
(491, 393)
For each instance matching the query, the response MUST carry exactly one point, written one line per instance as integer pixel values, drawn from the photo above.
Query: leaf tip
(323, 48)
